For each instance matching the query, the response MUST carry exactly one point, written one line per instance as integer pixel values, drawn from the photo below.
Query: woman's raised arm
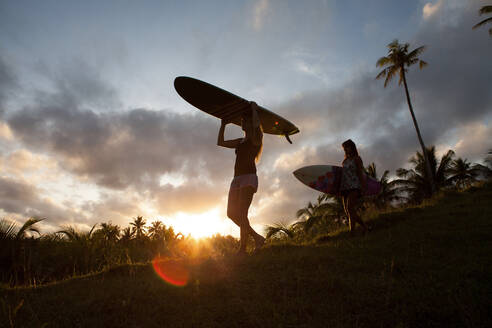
(226, 143)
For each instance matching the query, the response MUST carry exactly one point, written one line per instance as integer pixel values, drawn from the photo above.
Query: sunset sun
(201, 225)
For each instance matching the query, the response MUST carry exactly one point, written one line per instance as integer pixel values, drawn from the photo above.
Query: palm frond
(301, 212)
(417, 51)
(395, 44)
(383, 61)
(92, 230)
(412, 61)
(326, 208)
(389, 75)
(485, 10)
(28, 226)
(401, 172)
(485, 21)
(311, 221)
(272, 230)
(402, 74)
(442, 172)
(8, 229)
(384, 177)
(381, 74)
(306, 211)
(70, 232)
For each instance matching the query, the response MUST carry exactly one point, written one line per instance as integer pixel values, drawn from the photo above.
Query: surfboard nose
(299, 174)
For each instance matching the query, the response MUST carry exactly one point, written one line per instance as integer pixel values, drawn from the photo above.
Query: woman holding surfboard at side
(353, 183)
(245, 182)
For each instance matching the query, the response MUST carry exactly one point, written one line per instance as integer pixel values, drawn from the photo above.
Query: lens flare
(172, 271)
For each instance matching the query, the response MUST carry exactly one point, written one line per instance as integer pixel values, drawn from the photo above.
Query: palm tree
(484, 10)
(388, 191)
(416, 183)
(127, 235)
(332, 208)
(72, 234)
(462, 173)
(279, 229)
(16, 250)
(311, 214)
(11, 230)
(169, 234)
(139, 225)
(397, 61)
(327, 210)
(157, 230)
(82, 248)
(109, 231)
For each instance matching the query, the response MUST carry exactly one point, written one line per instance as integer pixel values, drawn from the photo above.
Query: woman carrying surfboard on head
(353, 184)
(245, 182)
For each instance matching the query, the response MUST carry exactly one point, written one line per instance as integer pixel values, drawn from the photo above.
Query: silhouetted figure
(353, 184)
(245, 182)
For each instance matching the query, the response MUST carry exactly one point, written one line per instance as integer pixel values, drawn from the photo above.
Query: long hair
(259, 131)
(349, 144)
(260, 149)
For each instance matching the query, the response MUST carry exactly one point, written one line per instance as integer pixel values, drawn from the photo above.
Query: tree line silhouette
(28, 257)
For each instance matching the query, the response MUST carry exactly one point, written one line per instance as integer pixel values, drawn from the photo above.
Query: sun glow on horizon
(202, 224)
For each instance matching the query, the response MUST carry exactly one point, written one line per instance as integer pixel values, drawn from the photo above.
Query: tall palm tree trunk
(424, 150)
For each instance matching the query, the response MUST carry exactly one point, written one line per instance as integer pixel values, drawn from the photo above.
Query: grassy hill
(428, 266)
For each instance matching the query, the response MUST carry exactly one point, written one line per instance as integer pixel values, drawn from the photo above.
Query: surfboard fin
(288, 139)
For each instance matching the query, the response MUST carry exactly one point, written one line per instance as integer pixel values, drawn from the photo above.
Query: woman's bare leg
(246, 197)
(234, 213)
(354, 218)
(237, 210)
(351, 222)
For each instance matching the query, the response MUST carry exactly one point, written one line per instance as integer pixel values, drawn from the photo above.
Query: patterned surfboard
(328, 178)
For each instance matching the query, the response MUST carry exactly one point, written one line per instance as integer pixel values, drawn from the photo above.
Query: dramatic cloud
(125, 151)
(430, 9)
(5, 132)
(117, 149)
(471, 139)
(24, 199)
(129, 150)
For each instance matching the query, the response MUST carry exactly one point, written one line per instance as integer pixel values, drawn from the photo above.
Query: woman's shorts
(247, 180)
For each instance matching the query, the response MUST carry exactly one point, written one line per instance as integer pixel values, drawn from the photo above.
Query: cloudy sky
(92, 130)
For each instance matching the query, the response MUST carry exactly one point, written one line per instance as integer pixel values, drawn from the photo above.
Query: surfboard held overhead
(225, 105)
